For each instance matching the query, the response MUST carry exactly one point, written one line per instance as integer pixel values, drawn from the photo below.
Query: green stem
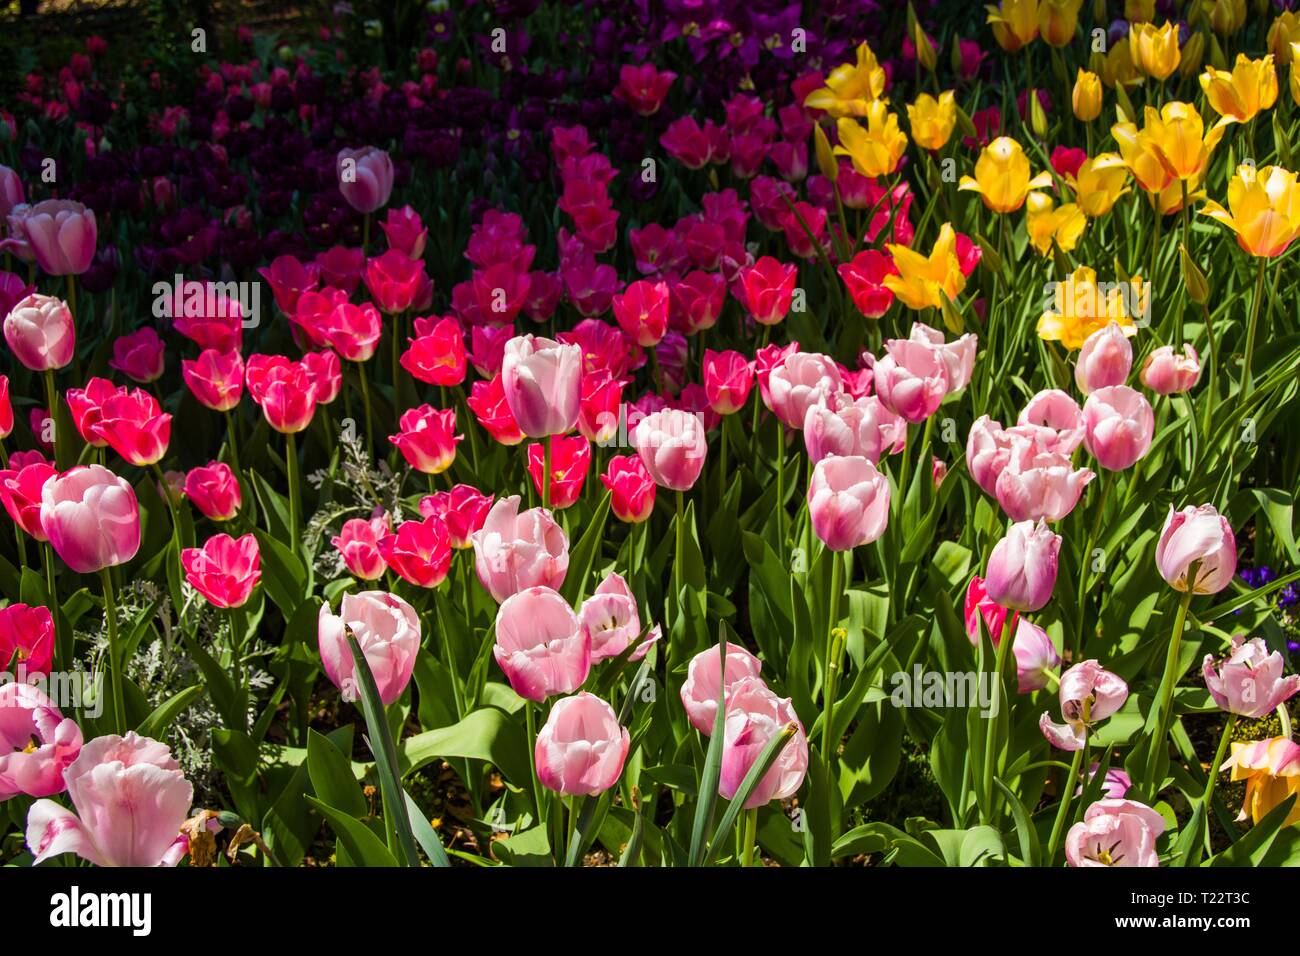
(575, 804)
(1004, 644)
(234, 442)
(679, 548)
(291, 464)
(832, 657)
(52, 405)
(51, 594)
(1247, 382)
(1167, 682)
(1063, 809)
(365, 401)
(114, 652)
(165, 490)
(1084, 568)
(750, 837)
(547, 451)
(530, 721)
(780, 487)
(1194, 855)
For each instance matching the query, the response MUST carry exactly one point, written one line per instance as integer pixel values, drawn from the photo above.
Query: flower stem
(1167, 688)
(1194, 854)
(1106, 482)
(114, 651)
(1004, 644)
(750, 837)
(832, 658)
(291, 464)
(547, 450)
(365, 401)
(51, 593)
(1063, 809)
(1247, 382)
(234, 442)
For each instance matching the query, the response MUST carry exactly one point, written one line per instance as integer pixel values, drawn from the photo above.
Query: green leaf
(156, 724)
(712, 770)
(331, 776)
(1251, 849)
(1030, 850)
(488, 734)
(362, 845)
(583, 555)
(425, 835)
(283, 575)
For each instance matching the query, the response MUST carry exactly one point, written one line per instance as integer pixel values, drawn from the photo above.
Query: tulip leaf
(583, 556)
(711, 773)
(488, 734)
(766, 758)
(1251, 849)
(1030, 850)
(156, 724)
(425, 835)
(331, 776)
(363, 847)
(283, 574)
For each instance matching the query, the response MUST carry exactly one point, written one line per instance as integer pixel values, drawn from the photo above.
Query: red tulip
(215, 378)
(487, 400)
(420, 551)
(428, 438)
(20, 489)
(289, 279)
(768, 289)
(395, 281)
(214, 490)
(85, 405)
(642, 311)
(437, 354)
(570, 459)
(631, 489)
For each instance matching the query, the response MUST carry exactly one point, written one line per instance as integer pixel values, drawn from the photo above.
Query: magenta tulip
(224, 570)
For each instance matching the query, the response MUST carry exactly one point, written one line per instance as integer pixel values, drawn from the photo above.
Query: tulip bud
(1037, 118)
(1193, 54)
(1167, 373)
(1104, 360)
(1022, 567)
(848, 500)
(1197, 286)
(1086, 97)
(1202, 537)
(825, 158)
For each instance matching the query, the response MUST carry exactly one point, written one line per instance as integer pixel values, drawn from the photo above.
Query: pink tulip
(1114, 785)
(324, 374)
(20, 490)
(1057, 420)
(570, 461)
(27, 638)
(284, 389)
(289, 279)
(581, 748)
(365, 178)
(631, 489)
(767, 288)
(6, 408)
(611, 620)
(92, 518)
(1022, 567)
(699, 691)
(1088, 694)
(728, 379)
(641, 310)
(643, 87)
(37, 743)
(1249, 680)
(837, 425)
(540, 644)
(1038, 484)
(1199, 536)
(341, 268)
(848, 501)
(62, 235)
(428, 438)
(912, 379)
(405, 232)
(40, 332)
(358, 543)
(672, 446)
(420, 552)
(139, 356)
(129, 800)
(86, 406)
(1167, 373)
(988, 450)
(135, 425)
(1036, 657)
(542, 382)
(979, 605)
(1104, 360)
(437, 355)
(799, 382)
(224, 570)
(353, 330)
(215, 378)
(514, 551)
(1118, 426)
(11, 191)
(395, 282)
(958, 358)
(1115, 833)
(388, 631)
(754, 716)
(214, 490)
(463, 510)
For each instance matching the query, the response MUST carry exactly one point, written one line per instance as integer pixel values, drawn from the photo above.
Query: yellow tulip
(1099, 183)
(1142, 157)
(1170, 199)
(825, 157)
(1082, 306)
(851, 87)
(1002, 176)
(1226, 16)
(1154, 49)
(1293, 77)
(1045, 224)
(876, 150)
(1139, 11)
(1265, 206)
(1180, 138)
(1014, 22)
(920, 278)
(1086, 98)
(932, 120)
(1240, 95)
(1058, 20)
(1271, 769)
(1282, 34)
(1118, 67)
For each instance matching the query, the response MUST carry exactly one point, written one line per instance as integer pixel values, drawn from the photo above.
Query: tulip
(1197, 536)
(924, 281)
(37, 743)
(1088, 694)
(289, 280)
(912, 379)
(1118, 426)
(86, 406)
(1249, 681)
(876, 150)
(540, 644)
(394, 281)
(848, 501)
(1049, 226)
(27, 640)
(840, 426)
(1114, 785)
(224, 570)
(979, 605)
(611, 620)
(6, 409)
(1081, 307)
(631, 489)
(1038, 484)
(386, 628)
(438, 355)
(20, 490)
(1036, 657)
(353, 331)
(672, 446)
(1056, 420)
(643, 87)
(755, 715)
(598, 411)
(40, 332)
(728, 380)
(324, 374)
(1104, 360)
(570, 460)
(1284, 31)
(62, 236)
(1014, 23)
(91, 518)
(514, 551)
(1265, 214)
(365, 178)
(581, 748)
(11, 191)
(1002, 176)
(542, 382)
(932, 120)
(1115, 833)
(700, 690)
(463, 510)
(1058, 20)
(129, 800)
(1178, 135)
(768, 289)
(642, 312)
(420, 551)
(285, 391)
(214, 490)
(1167, 373)
(864, 276)
(1241, 95)
(428, 438)
(1086, 96)
(800, 381)
(405, 232)
(358, 543)
(1022, 567)
(216, 379)
(1154, 49)
(139, 356)
(135, 425)
(487, 401)
(1271, 769)
(851, 87)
